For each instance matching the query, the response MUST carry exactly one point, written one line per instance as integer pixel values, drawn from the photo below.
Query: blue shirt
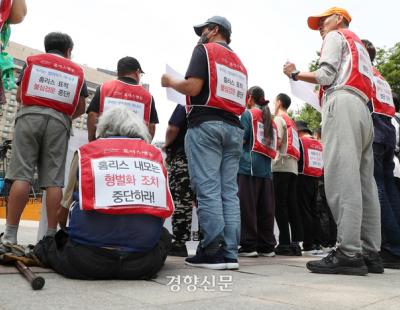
(252, 163)
(127, 233)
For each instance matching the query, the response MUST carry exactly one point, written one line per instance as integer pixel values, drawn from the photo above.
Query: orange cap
(314, 20)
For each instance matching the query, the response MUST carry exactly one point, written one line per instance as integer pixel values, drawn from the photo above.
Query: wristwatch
(294, 75)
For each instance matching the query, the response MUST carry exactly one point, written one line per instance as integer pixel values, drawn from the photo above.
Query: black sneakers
(202, 260)
(338, 263)
(293, 249)
(284, 250)
(373, 262)
(178, 249)
(389, 260)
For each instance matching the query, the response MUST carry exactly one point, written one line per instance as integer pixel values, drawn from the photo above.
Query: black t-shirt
(198, 68)
(178, 119)
(84, 91)
(94, 105)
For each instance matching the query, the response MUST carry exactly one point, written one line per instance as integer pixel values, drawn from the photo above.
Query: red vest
(123, 176)
(361, 77)
(52, 81)
(5, 10)
(293, 146)
(135, 97)
(227, 80)
(259, 145)
(312, 157)
(382, 101)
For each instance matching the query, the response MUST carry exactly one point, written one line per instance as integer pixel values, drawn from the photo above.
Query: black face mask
(203, 39)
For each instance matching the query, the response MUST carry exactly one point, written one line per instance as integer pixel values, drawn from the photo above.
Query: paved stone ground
(261, 283)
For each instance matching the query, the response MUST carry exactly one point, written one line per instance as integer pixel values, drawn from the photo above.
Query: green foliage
(388, 63)
(311, 116)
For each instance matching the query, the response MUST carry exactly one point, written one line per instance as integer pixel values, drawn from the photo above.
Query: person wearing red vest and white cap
(126, 91)
(118, 208)
(285, 172)
(310, 167)
(52, 92)
(346, 85)
(215, 85)
(256, 189)
(383, 110)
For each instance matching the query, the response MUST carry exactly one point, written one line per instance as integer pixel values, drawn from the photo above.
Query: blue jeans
(389, 197)
(213, 151)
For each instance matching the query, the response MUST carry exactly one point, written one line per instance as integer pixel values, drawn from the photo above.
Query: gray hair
(122, 122)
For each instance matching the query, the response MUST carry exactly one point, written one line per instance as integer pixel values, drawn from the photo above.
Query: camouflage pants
(182, 195)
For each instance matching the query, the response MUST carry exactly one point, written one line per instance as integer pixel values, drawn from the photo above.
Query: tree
(311, 116)
(388, 63)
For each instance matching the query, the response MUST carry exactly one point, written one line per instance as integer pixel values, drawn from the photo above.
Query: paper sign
(231, 84)
(315, 159)
(305, 91)
(121, 181)
(52, 84)
(134, 106)
(172, 94)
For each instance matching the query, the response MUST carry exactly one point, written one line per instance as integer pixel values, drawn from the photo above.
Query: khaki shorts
(39, 141)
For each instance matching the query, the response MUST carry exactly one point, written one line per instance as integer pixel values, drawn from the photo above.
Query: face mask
(204, 38)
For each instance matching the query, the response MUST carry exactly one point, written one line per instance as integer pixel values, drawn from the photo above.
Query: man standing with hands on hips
(345, 77)
(215, 85)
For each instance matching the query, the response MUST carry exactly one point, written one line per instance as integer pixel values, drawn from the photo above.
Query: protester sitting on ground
(256, 190)
(310, 167)
(118, 209)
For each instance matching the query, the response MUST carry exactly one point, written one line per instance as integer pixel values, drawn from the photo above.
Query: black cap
(128, 65)
(302, 126)
(219, 20)
(258, 94)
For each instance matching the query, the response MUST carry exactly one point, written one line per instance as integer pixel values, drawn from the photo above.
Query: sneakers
(178, 249)
(267, 254)
(314, 250)
(202, 260)
(389, 260)
(296, 249)
(373, 262)
(282, 249)
(247, 252)
(231, 263)
(339, 263)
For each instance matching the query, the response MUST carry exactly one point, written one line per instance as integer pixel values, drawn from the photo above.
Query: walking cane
(37, 282)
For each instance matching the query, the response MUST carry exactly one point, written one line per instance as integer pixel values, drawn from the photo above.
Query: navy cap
(128, 64)
(219, 20)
